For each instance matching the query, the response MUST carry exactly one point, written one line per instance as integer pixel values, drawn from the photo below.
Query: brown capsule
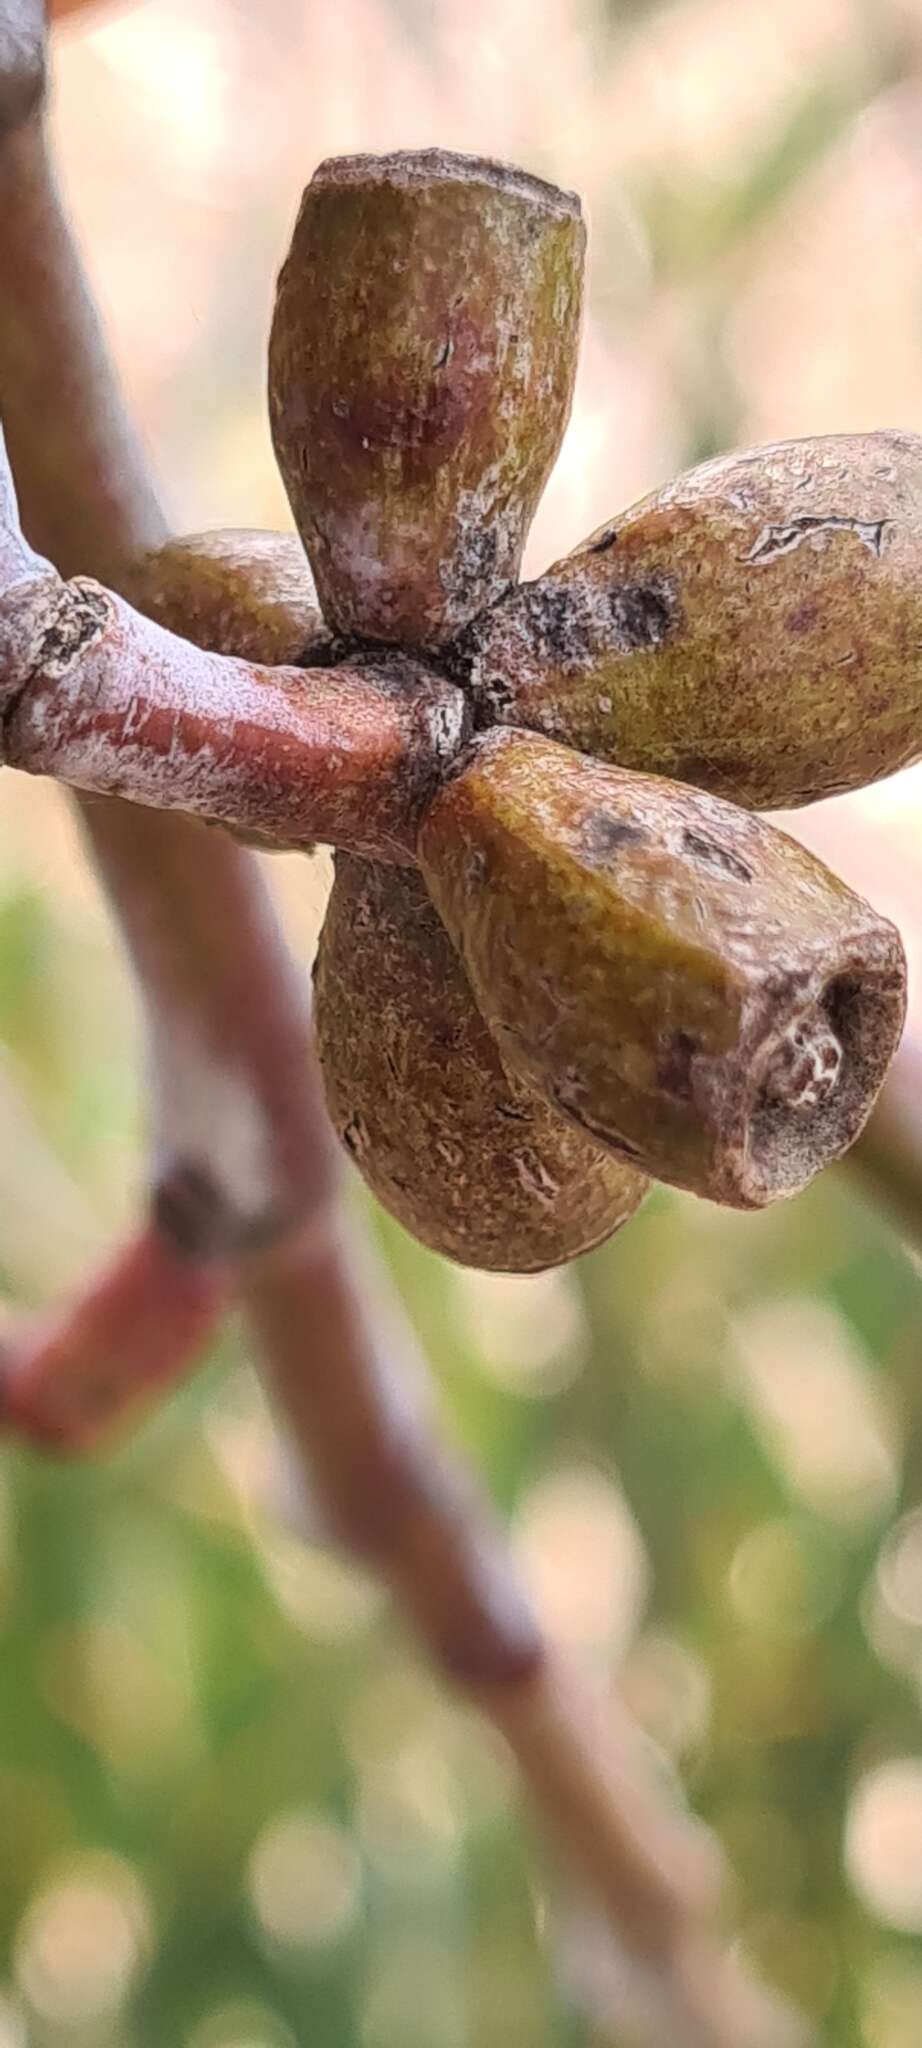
(691, 986)
(421, 371)
(469, 1160)
(754, 628)
(235, 591)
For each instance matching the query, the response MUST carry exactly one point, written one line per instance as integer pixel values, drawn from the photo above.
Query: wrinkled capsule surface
(469, 1160)
(754, 628)
(692, 987)
(421, 370)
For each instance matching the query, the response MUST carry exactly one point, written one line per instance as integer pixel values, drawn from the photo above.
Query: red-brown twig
(391, 1496)
(244, 1167)
(107, 701)
(136, 1329)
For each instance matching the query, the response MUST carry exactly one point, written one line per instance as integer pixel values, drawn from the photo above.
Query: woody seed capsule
(421, 370)
(754, 628)
(467, 1158)
(688, 984)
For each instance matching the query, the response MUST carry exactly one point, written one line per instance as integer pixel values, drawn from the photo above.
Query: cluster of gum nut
(592, 964)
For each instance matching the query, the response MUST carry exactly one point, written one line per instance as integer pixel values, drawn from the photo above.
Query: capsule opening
(797, 1127)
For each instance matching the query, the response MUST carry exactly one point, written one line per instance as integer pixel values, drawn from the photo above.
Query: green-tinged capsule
(468, 1159)
(421, 371)
(754, 628)
(688, 984)
(245, 592)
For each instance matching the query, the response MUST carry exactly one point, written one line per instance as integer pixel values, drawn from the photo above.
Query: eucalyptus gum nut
(466, 1158)
(421, 370)
(754, 628)
(691, 986)
(247, 592)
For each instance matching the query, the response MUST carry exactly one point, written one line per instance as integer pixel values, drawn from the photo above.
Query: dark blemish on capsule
(557, 624)
(673, 1071)
(500, 693)
(715, 856)
(605, 541)
(603, 834)
(549, 621)
(643, 614)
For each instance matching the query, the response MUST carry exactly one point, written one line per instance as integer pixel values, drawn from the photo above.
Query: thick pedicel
(466, 1158)
(754, 628)
(687, 983)
(421, 370)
